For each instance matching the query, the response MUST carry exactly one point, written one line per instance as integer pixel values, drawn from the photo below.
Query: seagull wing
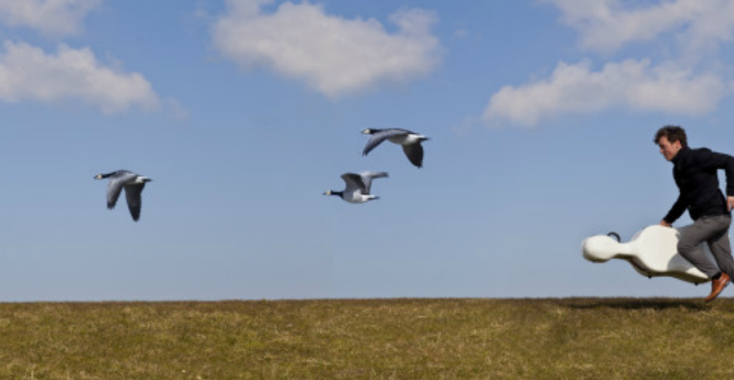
(367, 178)
(134, 199)
(414, 152)
(114, 188)
(381, 136)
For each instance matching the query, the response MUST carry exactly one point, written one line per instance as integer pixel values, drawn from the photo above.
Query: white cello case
(652, 252)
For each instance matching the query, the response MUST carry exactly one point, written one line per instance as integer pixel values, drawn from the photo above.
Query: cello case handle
(616, 236)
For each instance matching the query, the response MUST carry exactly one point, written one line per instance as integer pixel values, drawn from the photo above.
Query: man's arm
(679, 207)
(725, 162)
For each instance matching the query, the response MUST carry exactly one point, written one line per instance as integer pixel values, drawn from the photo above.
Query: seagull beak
(328, 192)
(98, 176)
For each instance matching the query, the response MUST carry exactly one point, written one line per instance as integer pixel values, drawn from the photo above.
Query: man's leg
(709, 229)
(721, 247)
(691, 237)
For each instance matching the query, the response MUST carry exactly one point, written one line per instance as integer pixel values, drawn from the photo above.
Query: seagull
(410, 141)
(133, 185)
(358, 187)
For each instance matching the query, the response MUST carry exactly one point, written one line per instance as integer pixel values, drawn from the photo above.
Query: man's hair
(673, 133)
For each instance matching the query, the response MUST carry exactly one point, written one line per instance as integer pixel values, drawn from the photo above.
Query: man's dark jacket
(694, 171)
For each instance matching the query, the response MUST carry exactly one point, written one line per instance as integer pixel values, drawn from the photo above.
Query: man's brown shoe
(717, 286)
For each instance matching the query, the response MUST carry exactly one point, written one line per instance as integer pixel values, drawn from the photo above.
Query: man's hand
(730, 202)
(666, 224)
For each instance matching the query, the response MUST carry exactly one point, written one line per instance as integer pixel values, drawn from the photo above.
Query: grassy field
(370, 339)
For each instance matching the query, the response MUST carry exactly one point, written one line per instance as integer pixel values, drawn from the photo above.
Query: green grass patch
(369, 339)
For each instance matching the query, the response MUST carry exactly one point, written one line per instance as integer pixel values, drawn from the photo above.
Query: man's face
(668, 149)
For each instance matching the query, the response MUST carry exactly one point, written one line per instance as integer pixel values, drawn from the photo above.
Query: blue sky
(541, 116)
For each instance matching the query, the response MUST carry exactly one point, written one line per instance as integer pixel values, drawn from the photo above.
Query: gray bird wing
(414, 152)
(114, 188)
(134, 199)
(354, 182)
(381, 136)
(367, 178)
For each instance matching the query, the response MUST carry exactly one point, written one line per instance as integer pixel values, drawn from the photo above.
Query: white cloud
(607, 25)
(28, 73)
(52, 17)
(334, 55)
(678, 87)
(633, 84)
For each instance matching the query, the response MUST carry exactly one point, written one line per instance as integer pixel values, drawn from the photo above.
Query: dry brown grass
(369, 339)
